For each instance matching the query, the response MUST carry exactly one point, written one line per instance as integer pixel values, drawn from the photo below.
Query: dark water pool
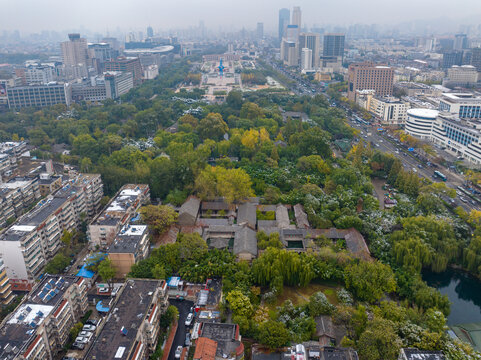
(464, 292)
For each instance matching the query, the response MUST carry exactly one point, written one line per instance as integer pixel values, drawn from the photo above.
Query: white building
(39, 74)
(465, 75)
(420, 122)
(389, 110)
(151, 72)
(463, 105)
(306, 59)
(459, 136)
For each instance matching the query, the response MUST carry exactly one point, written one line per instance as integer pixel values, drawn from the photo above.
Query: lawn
(300, 295)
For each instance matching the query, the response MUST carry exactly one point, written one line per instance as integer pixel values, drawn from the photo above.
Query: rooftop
(427, 113)
(115, 210)
(120, 330)
(128, 239)
(415, 354)
(226, 336)
(19, 327)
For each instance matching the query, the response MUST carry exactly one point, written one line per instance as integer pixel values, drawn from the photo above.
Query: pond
(464, 292)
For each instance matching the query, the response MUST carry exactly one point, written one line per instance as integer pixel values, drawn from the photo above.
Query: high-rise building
(476, 58)
(306, 59)
(74, 55)
(369, 76)
(284, 18)
(289, 52)
(292, 33)
(333, 45)
(312, 42)
(451, 58)
(296, 16)
(260, 30)
(460, 42)
(150, 32)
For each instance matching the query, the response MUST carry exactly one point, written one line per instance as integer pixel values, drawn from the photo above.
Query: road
(382, 142)
(184, 307)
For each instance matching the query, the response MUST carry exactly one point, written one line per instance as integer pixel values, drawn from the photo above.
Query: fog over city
(108, 15)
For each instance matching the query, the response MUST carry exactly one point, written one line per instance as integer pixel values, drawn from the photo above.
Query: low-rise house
(131, 331)
(355, 242)
(215, 209)
(224, 338)
(282, 217)
(40, 326)
(301, 217)
(415, 354)
(246, 214)
(189, 211)
(245, 244)
(129, 247)
(293, 239)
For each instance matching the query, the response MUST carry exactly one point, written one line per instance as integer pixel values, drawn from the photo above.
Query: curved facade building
(420, 122)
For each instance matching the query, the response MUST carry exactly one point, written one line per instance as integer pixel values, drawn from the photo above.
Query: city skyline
(110, 15)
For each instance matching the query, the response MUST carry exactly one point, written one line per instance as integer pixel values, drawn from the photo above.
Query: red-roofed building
(205, 349)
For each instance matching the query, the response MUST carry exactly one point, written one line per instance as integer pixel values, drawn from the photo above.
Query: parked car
(463, 199)
(86, 334)
(178, 352)
(78, 346)
(81, 340)
(187, 339)
(89, 328)
(93, 322)
(189, 319)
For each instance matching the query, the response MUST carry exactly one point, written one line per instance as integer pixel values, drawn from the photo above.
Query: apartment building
(6, 295)
(16, 195)
(369, 76)
(130, 246)
(118, 212)
(48, 184)
(35, 237)
(40, 326)
(92, 187)
(132, 328)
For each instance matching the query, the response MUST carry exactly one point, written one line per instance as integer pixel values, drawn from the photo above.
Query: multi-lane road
(386, 144)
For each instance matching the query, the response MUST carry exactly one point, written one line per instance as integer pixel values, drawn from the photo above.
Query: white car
(81, 340)
(85, 334)
(189, 319)
(178, 352)
(89, 328)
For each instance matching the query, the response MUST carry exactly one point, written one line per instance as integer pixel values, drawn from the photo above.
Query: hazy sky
(101, 15)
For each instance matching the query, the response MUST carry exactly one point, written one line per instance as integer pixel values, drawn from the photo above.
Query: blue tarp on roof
(136, 218)
(173, 281)
(101, 308)
(85, 273)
